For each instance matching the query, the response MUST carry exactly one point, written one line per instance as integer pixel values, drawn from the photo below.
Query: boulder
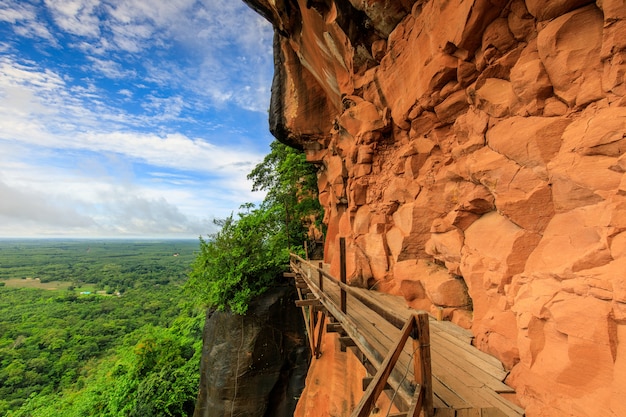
(508, 248)
(573, 241)
(531, 142)
(446, 247)
(549, 9)
(569, 47)
(495, 97)
(530, 80)
(255, 364)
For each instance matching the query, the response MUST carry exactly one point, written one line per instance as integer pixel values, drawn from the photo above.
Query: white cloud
(109, 146)
(227, 45)
(110, 69)
(89, 200)
(14, 12)
(18, 205)
(35, 100)
(78, 17)
(23, 17)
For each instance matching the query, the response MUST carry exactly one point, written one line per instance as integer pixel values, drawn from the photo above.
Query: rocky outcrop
(473, 155)
(254, 365)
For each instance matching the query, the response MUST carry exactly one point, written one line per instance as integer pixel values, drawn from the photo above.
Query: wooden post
(321, 276)
(312, 327)
(318, 344)
(422, 369)
(342, 262)
(306, 250)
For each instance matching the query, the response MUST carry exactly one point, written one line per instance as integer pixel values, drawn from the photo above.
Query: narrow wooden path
(464, 381)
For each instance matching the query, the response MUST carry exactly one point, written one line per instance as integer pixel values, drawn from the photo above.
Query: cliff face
(472, 153)
(254, 365)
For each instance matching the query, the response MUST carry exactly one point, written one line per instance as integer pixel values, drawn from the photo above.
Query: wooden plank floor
(463, 376)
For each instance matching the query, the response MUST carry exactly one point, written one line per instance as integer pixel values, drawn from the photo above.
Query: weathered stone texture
(475, 150)
(254, 365)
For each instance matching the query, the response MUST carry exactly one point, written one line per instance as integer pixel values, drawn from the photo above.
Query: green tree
(243, 259)
(291, 185)
(240, 261)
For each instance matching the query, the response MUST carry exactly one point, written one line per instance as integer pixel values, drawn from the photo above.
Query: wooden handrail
(416, 327)
(396, 321)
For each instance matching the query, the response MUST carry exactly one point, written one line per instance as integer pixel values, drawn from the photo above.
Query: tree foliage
(63, 353)
(241, 260)
(291, 185)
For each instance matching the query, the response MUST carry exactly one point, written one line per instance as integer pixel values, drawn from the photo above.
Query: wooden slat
(487, 362)
(475, 366)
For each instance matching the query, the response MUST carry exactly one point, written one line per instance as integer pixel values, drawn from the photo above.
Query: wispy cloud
(77, 17)
(129, 116)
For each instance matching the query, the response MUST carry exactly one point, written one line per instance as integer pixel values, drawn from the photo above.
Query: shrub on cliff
(240, 261)
(243, 259)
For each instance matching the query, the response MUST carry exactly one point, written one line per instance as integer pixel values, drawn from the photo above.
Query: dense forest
(97, 328)
(114, 328)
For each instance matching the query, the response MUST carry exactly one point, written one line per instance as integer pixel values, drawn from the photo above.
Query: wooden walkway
(465, 381)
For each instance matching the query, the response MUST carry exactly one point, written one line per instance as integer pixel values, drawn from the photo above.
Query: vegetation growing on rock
(252, 248)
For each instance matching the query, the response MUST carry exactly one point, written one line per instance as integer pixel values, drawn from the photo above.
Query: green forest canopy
(75, 352)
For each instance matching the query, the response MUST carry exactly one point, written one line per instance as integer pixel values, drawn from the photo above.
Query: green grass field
(36, 283)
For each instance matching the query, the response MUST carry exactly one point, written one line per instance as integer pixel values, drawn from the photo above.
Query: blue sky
(129, 117)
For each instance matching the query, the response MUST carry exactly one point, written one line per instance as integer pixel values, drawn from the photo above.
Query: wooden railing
(416, 328)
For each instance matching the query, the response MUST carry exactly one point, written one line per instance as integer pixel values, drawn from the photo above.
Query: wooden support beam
(368, 380)
(346, 342)
(304, 303)
(301, 285)
(379, 382)
(377, 386)
(422, 363)
(289, 274)
(318, 345)
(334, 328)
(320, 278)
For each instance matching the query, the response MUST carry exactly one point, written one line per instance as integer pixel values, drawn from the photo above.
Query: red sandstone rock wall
(472, 153)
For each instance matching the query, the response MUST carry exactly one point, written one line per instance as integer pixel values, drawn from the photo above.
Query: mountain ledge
(472, 154)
